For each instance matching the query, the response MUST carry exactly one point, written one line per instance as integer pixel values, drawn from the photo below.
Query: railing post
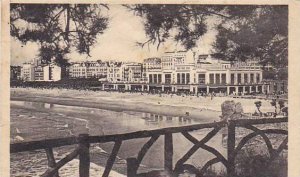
(169, 152)
(84, 155)
(111, 160)
(230, 149)
(51, 160)
(131, 167)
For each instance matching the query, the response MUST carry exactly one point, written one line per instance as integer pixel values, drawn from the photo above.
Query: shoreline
(115, 101)
(119, 105)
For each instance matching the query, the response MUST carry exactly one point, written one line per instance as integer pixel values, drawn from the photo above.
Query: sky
(118, 42)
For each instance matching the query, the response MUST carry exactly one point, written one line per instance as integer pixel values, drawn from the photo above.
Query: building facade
(170, 59)
(52, 72)
(178, 71)
(151, 64)
(15, 72)
(88, 69)
(38, 71)
(132, 72)
(78, 70)
(27, 72)
(199, 74)
(114, 71)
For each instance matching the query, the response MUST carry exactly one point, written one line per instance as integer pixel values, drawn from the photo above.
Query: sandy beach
(164, 105)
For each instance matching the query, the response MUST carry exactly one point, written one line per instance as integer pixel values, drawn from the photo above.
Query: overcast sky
(117, 43)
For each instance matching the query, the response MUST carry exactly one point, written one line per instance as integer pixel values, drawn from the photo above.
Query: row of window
(218, 78)
(183, 68)
(94, 69)
(154, 78)
(248, 78)
(183, 78)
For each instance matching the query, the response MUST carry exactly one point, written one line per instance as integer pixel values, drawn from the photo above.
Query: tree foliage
(259, 32)
(58, 27)
(184, 23)
(244, 31)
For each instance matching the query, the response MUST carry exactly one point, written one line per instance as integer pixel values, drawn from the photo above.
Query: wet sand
(197, 107)
(108, 102)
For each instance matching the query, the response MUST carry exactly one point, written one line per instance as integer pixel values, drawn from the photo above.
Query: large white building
(151, 64)
(170, 59)
(114, 71)
(27, 72)
(52, 72)
(206, 74)
(88, 69)
(36, 71)
(78, 70)
(132, 72)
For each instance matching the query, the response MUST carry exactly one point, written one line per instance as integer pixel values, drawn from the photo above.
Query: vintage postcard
(150, 89)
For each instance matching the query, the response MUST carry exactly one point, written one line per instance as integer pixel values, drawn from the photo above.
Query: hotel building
(132, 72)
(37, 71)
(114, 71)
(27, 72)
(88, 69)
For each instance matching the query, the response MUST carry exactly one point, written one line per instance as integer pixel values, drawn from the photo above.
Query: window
(201, 78)
(150, 78)
(211, 79)
(187, 78)
(257, 77)
(246, 79)
(168, 78)
(155, 78)
(178, 78)
(183, 78)
(217, 78)
(232, 78)
(223, 78)
(252, 78)
(159, 78)
(239, 78)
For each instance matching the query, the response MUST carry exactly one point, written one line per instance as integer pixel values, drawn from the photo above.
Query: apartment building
(151, 64)
(132, 72)
(88, 69)
(78, 70)
(38, 71)
(114, 71)
(170, 59)
(52, 72)
(27, 72)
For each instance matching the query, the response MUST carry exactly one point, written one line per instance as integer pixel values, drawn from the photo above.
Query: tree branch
(68, 23)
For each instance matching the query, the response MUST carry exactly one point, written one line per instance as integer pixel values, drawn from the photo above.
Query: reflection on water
(33, 104)
(150, 119)
(155, 119)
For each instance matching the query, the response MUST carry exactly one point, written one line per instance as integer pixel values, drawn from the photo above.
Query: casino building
(184, 71)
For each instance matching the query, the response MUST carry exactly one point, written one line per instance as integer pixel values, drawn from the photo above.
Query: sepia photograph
(148, 90)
